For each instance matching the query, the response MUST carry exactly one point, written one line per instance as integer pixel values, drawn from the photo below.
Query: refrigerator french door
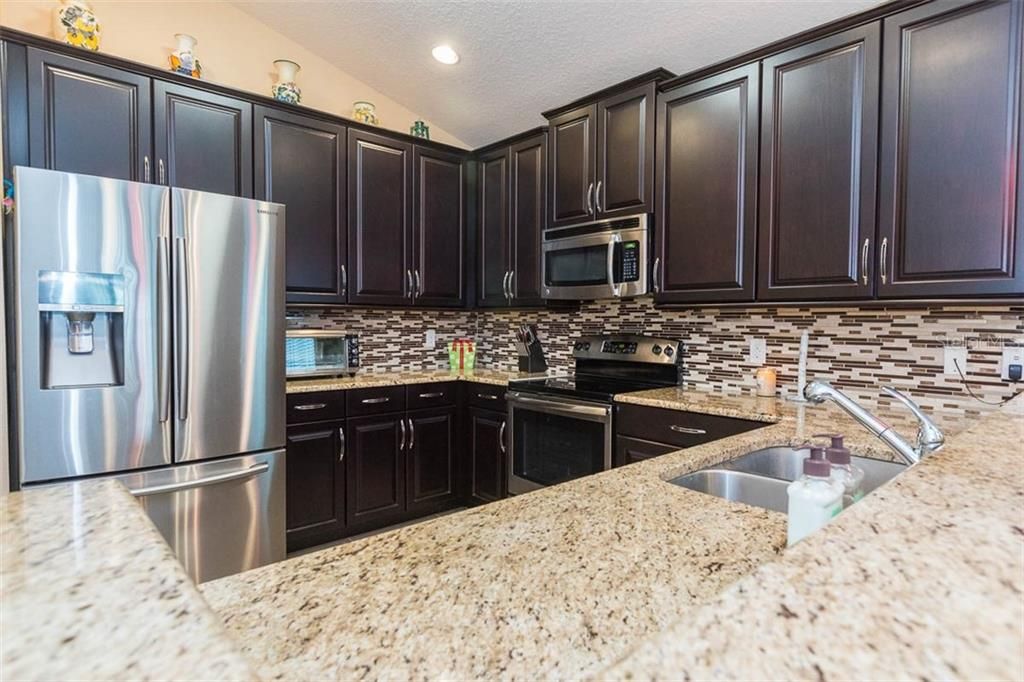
(149, 344)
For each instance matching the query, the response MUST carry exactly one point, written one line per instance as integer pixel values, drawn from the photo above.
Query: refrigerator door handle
(182, 326)
(164, 330)
(177, 486)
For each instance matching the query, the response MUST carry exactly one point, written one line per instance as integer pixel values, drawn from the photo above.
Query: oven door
(552, 441)
(595, 266)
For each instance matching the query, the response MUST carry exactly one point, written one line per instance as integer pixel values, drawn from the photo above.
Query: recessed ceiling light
(445, 54)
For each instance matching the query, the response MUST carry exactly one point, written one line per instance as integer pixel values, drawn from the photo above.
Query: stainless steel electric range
(561, 427)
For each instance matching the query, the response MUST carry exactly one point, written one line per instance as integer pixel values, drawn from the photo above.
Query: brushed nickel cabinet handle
(486, 396)
(344, 280)
(163, 172)
(412, 434)
(590, 199)
(501, 436)
(341, 443)
(375, 401)
(511, 284)
(597, 196)
(145, 168)
(401, 444)
(419, 286)
(311, 406)
(864, 261)
(408, 284)
(883, 266)
(688, 430)
(438, 394)
(655, 272)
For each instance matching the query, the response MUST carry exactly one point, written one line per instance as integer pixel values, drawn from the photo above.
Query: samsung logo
(266, 211)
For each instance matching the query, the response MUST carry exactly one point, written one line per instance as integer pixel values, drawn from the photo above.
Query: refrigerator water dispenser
(81, 318)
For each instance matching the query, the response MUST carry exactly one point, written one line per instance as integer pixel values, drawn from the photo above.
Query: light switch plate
(430, 341)
(1012, 355)
(758, 351)
(951, 354)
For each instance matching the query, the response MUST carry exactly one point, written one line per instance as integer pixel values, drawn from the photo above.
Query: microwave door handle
(616, 288)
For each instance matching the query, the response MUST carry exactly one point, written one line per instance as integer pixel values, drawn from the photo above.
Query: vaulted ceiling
(520, 58)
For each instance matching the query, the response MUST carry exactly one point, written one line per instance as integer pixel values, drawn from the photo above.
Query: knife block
(531, 357)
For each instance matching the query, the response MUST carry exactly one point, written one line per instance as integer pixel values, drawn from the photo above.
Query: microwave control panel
(628, 261)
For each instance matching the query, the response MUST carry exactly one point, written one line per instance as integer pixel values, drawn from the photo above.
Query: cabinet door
(528, 193)
(494, 228)
(88, 118)
(629, 450)
(431, 472)
(300, 162)
(379, 219)
(315, 501)
(819, 135)
(706, 230)
(572, 138)
(625, 153)
(951, 192)
(488, 460)
(439, 234)
(375, 470)
(201, 140)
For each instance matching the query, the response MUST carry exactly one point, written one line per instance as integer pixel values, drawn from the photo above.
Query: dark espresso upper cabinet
(493, 236)
(379, 219)
(512, 203)
(601, 154)
(573, 137)
(202, 140)
(625, 153)
(88, 118)
(438, 240)
(819, 136)
(300, 162)
(706, 215)
(528, 175)
(950, 192)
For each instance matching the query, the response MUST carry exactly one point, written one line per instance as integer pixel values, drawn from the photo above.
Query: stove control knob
(656, 349)
(669, 351)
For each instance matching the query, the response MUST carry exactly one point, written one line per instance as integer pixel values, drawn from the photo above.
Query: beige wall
(235, 49)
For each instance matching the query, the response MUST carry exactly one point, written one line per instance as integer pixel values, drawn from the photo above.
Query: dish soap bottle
(843, 470)
(814, 498)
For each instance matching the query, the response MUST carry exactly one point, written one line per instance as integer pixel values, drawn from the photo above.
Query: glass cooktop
(600, 389)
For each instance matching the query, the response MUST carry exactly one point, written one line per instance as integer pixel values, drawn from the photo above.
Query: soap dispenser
(843, 469)
(814, 498)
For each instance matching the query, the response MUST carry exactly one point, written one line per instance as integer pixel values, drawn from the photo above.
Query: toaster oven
(320, 352)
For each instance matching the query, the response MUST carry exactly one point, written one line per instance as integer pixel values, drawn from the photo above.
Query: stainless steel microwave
(603, 259)
(320, 352)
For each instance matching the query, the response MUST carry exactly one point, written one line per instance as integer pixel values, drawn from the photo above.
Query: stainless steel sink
(738, 486)
(760, 478)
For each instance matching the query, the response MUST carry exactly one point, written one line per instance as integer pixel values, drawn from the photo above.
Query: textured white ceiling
(520, 58)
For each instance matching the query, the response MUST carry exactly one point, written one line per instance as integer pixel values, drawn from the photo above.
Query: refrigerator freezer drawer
(219, 517)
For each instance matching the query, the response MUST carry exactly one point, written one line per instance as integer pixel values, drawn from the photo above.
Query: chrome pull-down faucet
(929, 436)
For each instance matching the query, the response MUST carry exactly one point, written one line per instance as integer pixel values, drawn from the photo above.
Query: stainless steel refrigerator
(149, 344)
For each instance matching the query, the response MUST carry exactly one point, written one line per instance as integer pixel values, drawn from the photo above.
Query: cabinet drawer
(673, 427)
(375, 400)
(487, 396)
(315, 407)
(420, 396)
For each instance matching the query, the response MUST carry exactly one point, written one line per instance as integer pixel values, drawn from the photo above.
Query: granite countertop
(495, 377)
(622, 569)
(91, 591)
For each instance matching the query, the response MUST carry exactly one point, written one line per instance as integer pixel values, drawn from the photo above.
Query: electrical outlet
(1013, 357)
(758, 351)
(954, 354)
(430, 342)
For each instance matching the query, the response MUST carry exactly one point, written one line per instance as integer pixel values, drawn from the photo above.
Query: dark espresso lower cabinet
(488, 460)
(315, 485)
(375, 471)
(430, 484)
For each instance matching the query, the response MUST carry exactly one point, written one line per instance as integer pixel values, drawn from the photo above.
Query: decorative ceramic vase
(420, 129)
(184, 60)
(365, 112)
(75, 24)
(285, 89)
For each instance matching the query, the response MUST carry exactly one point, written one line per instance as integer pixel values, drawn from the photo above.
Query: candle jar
(765, 378)
(365, 112)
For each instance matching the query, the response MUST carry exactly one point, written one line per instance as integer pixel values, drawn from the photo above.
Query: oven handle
(589, 412)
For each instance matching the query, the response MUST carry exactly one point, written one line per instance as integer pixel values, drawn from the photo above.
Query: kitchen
(295, 394)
